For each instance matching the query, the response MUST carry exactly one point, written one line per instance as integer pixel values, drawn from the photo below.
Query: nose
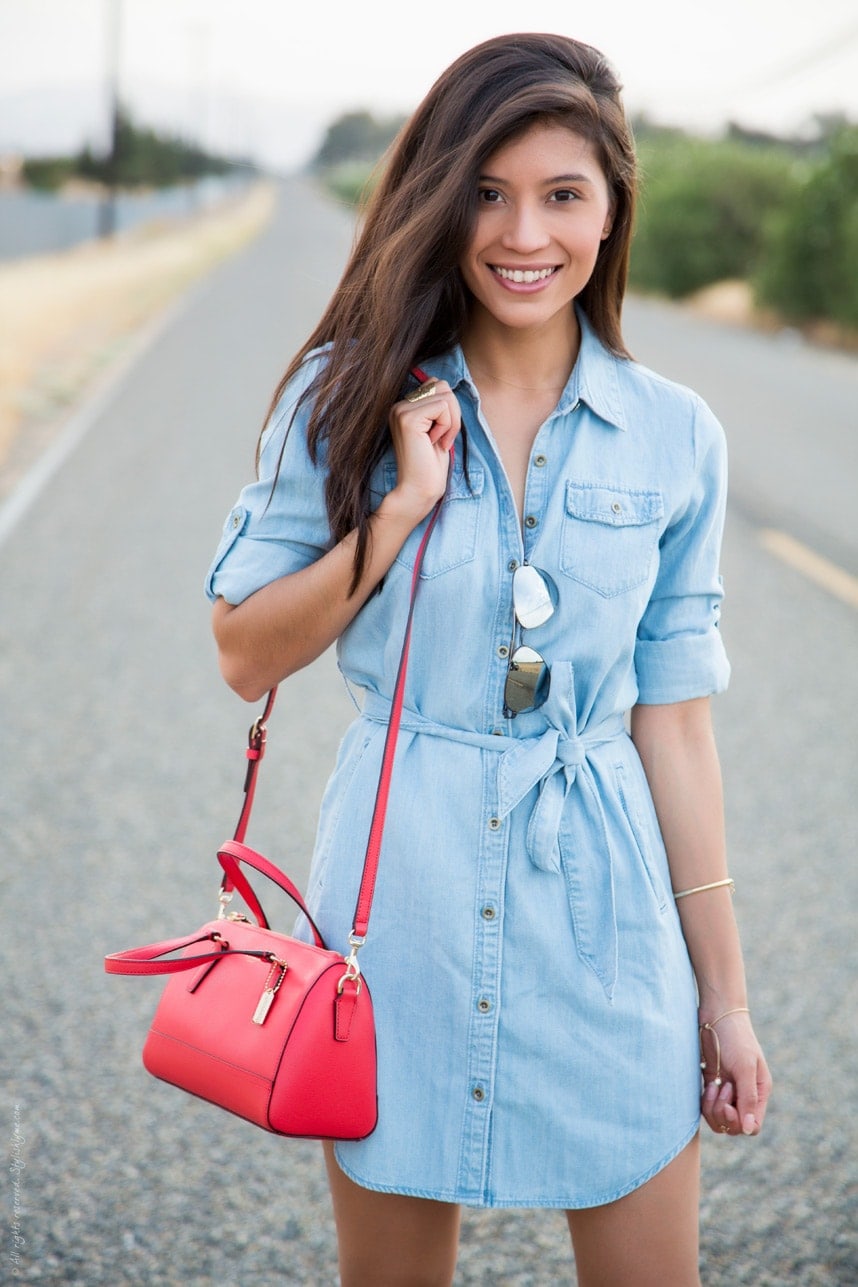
(525, 230)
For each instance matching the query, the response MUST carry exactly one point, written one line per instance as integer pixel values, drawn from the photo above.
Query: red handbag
(278, 1031)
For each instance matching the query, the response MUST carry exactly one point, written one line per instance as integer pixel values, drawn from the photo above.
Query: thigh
(649, 1238)
(391, 1240)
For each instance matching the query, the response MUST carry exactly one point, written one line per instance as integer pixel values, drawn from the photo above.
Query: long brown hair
(401, 298)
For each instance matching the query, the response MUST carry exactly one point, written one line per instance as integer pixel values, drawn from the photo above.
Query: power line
(813, 58)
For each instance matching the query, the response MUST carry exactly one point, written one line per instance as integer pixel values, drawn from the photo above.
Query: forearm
(677, 748)
(287, 624)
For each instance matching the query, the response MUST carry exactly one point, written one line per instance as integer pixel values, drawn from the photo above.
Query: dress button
(484, 1005)
(531, 520)
(479, 1094)
(539, 461)
(488, 912)
(617, 507)
(503, 651)
(512, 565)
(236, 521)
(494, 824)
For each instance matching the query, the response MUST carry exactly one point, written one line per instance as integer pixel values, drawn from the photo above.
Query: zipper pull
(275, 977)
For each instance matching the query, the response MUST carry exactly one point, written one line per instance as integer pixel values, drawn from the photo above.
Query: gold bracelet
(709, 1026)
(701, 889)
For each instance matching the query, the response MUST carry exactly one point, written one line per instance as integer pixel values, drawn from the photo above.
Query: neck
(530, 359)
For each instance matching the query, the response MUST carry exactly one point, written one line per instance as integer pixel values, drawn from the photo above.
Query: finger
(747, 1101)
(726, 1109)
(719, 1110)
(764, 1087)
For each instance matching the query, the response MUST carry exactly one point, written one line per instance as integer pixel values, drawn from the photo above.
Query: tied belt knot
(567, 832)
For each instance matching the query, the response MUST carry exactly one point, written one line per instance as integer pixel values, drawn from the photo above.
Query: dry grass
(64, 317)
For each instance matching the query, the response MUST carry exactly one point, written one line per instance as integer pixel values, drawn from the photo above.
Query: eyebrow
(558, 178)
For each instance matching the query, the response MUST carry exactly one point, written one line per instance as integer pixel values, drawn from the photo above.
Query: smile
(525, 275)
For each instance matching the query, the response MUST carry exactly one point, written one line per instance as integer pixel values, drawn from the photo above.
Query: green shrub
(48, 173)
(352, 181)
(809, 268)
(703, 210)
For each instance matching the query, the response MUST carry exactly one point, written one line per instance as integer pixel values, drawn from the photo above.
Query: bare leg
(649, 1238)
(387, 1240)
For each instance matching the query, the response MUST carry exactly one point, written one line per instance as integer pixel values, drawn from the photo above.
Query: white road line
(821, 571)
(28, 490)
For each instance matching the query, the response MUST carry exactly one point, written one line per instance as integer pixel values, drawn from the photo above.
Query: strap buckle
(352, 972)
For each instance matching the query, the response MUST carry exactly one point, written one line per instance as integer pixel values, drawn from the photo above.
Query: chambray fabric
(535, 1005)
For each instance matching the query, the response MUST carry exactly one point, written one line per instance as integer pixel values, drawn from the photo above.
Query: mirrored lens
(527, 681)
(532, 597)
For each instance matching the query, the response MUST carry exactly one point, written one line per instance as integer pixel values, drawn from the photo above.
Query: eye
(564, 195)
(489, 196)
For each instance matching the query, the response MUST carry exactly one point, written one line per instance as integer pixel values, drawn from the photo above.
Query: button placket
(482, 1035)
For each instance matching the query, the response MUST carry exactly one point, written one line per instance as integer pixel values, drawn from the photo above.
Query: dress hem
(491, 1201)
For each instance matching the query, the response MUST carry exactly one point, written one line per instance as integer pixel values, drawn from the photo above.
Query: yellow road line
(822, 571)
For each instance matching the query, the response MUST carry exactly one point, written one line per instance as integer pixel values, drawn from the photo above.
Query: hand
(738, 1105)
(423, 433)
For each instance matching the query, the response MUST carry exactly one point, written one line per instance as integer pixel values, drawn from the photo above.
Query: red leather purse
(278, 1031)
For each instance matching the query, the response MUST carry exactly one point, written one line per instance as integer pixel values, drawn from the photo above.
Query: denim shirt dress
(535, 1004)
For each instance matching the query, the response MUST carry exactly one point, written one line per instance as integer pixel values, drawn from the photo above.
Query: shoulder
(672, 410)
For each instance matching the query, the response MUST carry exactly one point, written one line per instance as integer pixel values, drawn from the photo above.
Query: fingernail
(749, 1124)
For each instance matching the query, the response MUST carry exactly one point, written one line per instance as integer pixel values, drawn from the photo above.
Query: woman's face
(544, 210)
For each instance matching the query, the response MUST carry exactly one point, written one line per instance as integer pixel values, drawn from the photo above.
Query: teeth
(523, 275)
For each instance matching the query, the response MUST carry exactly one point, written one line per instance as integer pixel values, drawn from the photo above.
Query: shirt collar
(595, 378)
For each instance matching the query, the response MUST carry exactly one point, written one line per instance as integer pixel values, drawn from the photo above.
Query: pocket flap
(614, 505)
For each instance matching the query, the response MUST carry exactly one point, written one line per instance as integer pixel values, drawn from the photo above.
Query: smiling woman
(537, 995)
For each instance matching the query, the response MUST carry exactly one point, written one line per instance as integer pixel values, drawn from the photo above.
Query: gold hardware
(238, 916)
(352, 974)
(270, 990)
(224, 900)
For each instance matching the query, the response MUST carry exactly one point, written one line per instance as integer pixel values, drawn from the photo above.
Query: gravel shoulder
(67, 318)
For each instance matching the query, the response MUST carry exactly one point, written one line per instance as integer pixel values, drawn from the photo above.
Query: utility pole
(113, 28)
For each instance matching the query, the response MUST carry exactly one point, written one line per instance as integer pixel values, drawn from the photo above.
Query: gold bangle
(701, 889)
(709, 1026)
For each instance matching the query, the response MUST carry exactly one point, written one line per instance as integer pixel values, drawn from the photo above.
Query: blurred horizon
(249, 78)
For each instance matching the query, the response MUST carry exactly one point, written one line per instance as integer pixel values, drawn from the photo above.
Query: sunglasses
(528, 677)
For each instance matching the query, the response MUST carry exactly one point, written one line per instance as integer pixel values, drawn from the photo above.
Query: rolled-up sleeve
(279, 527)
(679, 653)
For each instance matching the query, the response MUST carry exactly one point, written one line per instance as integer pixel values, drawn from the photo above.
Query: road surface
(120, 770)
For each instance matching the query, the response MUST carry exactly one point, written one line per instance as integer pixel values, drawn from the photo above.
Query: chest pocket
(609, 536)
(454, 540)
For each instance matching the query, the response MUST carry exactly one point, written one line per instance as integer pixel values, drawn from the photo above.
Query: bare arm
(677, 748)
(288, 623)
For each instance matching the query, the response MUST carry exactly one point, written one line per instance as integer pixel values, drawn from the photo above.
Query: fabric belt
(556, 761)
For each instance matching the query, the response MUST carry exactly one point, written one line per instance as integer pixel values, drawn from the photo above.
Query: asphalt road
(120, 770)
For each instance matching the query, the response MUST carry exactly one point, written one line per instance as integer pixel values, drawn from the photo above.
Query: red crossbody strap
(256, 750)
(376, 830)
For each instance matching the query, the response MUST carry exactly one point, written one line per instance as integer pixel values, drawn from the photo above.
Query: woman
(545, 876)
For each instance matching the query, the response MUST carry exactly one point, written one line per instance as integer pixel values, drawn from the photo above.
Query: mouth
(524, 276)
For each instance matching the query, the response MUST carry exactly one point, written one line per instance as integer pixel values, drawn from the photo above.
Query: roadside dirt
(64, 318)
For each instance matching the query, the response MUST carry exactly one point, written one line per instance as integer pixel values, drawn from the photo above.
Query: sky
(264, 77)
